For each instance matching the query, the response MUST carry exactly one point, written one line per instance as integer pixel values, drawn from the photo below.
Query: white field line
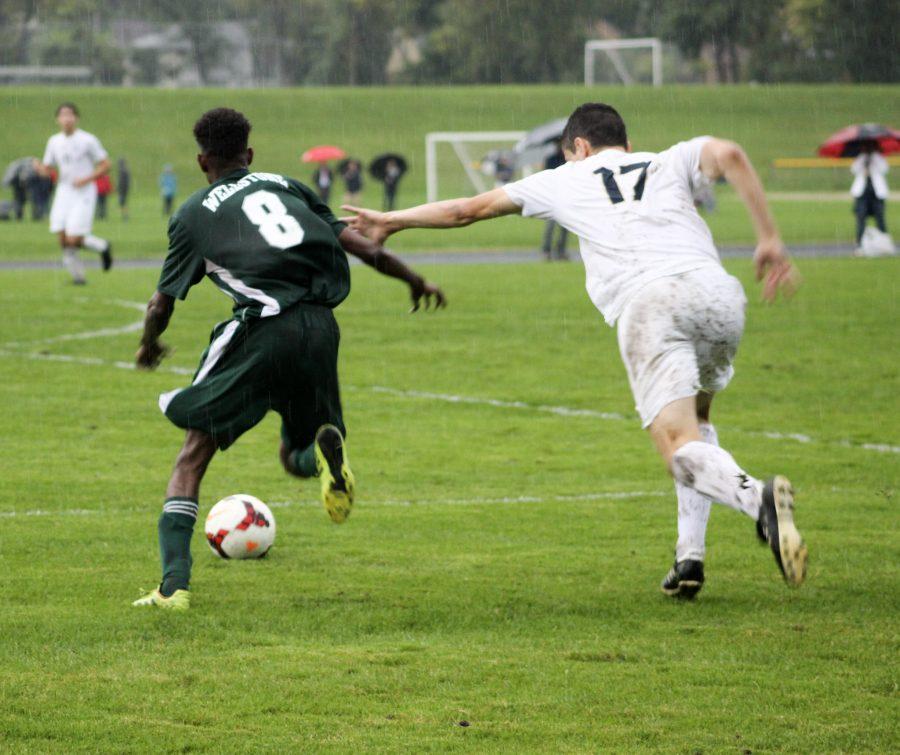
(103, 332)
(566, 411)
(90, 361)
(88, 334)
(388, 502)
(563, 411)
(127, 303)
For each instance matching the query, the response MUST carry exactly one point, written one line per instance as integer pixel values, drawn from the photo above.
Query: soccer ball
(240, 526)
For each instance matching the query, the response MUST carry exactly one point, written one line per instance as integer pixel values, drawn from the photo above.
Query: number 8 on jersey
(267, 212)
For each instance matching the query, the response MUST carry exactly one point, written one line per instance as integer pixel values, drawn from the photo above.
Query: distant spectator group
(388, 169)
(27, 185)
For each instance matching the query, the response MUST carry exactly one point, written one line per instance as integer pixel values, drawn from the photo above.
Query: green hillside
(152, 127)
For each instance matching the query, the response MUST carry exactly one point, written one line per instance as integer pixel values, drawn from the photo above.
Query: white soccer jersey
(633, 213)
(74, 155)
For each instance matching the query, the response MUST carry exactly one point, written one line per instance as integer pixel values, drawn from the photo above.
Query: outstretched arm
(376, 256)
(720, 158)
(450, 213)
(156, 320)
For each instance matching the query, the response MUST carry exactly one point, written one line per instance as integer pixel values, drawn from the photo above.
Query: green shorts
(287, 363)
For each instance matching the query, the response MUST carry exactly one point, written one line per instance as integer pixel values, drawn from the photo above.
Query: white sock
(95, 243)
(693, 511)
(73, 264)
(713, 472)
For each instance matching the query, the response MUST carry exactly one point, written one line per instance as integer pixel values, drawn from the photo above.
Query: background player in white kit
(652, 266)
(80, 159)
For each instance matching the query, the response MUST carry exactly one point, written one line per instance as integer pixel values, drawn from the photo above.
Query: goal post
(459, 142)
(611, 48)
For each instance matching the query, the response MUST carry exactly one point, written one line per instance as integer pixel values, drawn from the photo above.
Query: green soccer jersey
(266, 240)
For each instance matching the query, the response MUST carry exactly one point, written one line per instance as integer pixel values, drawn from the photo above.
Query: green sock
(303, 460)
(176, 525)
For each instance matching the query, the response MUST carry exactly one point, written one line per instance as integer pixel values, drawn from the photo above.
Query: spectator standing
(123, 186)
(104, 189)
(555, 251)
(323, 178)
(352, 175)
(504, 171)
(40, 189)
(168, 186)
(869, 188)
(20, 194)
(392, 176)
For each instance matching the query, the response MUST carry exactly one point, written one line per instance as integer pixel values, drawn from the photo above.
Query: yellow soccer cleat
(180, 600)
(334, 473)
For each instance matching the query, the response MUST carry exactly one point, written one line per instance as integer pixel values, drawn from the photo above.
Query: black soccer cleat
(684, 580)
(760, 534)
(776, 526)
(106, 258)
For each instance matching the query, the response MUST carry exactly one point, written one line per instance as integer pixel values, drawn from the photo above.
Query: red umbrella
(848, 141)
(323, 153)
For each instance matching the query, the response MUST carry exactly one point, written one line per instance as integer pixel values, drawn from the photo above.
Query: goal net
(623, 61)
(462, 162)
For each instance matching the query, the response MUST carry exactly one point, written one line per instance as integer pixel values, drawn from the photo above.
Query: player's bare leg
(176, 523)
(713, 472)
(191, 464)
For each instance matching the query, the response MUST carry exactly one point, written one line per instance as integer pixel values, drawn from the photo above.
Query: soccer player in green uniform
(270, 244)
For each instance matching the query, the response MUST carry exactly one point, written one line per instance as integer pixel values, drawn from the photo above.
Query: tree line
(371, 42)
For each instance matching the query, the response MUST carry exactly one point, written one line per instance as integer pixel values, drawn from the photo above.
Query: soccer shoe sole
(335, 474)
(794, 554)
(180, 600)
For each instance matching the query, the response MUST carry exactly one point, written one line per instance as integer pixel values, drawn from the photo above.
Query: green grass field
(501, 567)
(152, 127)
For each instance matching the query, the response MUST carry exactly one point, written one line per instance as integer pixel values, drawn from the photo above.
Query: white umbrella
(21, 168)
(539, 143)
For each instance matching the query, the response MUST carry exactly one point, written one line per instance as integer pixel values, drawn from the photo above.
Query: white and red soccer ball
(240, 526)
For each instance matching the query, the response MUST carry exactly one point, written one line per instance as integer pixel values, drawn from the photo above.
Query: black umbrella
(378, 166)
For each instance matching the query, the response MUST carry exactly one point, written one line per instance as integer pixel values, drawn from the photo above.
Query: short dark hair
(70, 105)
(222, 132)
(600, 124)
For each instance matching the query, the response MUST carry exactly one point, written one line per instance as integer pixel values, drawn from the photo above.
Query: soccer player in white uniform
(652, 267)
(80, 159)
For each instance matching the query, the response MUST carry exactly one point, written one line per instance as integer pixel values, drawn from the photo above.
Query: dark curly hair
(222, 132)
(600, 124)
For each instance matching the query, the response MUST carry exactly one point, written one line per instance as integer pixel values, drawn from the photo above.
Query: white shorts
(73, 209)
(678, 337)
